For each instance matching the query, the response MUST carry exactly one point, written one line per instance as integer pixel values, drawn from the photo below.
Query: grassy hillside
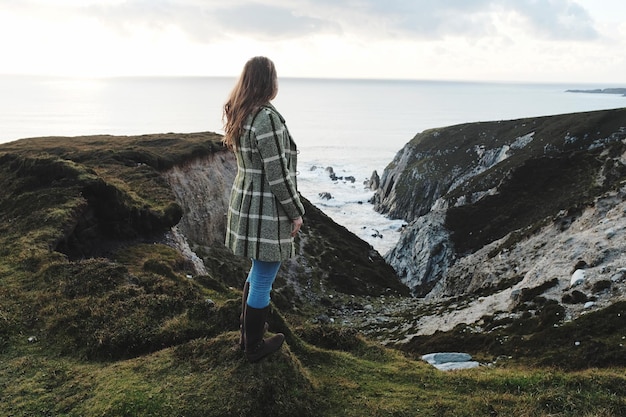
(98, 317)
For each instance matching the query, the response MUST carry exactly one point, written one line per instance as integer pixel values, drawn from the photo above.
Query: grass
(99, 318)
(209, 377)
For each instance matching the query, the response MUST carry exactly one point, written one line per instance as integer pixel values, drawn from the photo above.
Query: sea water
(350, 126)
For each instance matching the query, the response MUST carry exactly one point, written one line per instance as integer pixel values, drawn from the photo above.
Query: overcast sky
(495, 40)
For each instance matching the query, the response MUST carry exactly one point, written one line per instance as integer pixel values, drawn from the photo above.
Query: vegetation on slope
(99, 317)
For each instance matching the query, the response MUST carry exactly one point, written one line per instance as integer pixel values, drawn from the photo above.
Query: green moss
(541, 338)
(98, 310)
(120, 329)
(209, 377)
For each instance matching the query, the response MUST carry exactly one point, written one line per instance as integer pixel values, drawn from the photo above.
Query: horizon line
(310, 78)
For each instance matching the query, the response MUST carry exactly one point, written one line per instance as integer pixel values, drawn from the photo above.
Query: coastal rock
(619, 276)
(423, 253)
(578, 277)
(332, 175)
(488, 186)
(374, 181)
(202, 186)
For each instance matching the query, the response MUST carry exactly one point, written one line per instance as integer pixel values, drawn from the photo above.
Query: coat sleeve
(270, 133)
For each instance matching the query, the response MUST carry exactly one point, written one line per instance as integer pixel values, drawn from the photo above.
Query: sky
(484, 40)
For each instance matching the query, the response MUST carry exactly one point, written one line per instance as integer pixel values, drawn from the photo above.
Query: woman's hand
(296, 224)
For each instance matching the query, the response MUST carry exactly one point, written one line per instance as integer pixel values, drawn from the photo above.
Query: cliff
(112, 255)
(154, 205)
(117, 297)
(500, 209)
(464, 187)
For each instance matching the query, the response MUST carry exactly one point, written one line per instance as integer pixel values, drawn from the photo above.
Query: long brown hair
(257, 85)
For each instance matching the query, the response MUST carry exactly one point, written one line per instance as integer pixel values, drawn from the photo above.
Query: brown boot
(244, 301)
(254, 326)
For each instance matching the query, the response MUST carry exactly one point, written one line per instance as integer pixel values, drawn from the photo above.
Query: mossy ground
(209, 377)
(97, 318)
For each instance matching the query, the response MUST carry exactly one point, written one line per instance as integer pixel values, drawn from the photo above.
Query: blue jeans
(261, 277)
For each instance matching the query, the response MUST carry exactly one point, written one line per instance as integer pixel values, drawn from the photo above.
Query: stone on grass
(449, 361)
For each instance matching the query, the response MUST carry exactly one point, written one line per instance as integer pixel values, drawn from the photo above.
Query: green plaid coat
(264, 198)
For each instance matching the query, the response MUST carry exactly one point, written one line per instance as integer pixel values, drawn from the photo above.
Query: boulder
(578, 278)
(374, 182)
(449, 361)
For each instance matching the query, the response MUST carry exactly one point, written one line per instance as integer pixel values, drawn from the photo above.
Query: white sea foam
(349, 203)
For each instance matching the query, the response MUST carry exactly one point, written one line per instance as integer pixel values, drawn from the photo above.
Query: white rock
(450, 361)
(618, 276)
(578, 277)
(589, 304)
(453, 366)
(443, 357)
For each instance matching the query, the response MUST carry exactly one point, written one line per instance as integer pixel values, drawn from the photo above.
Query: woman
(265, 211)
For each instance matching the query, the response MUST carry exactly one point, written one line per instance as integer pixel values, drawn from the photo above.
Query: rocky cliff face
(202, 187)
(329, 259)
(491, 188)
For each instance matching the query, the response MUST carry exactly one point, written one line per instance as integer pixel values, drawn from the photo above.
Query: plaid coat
(264, 198)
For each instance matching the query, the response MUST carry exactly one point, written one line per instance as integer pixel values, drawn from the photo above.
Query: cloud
(272, 22)
(206, 21)
(557, 19)
(191, 17)
(209, 20)
(552, 19)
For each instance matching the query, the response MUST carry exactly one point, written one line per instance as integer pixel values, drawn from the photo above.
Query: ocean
(352, 126)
